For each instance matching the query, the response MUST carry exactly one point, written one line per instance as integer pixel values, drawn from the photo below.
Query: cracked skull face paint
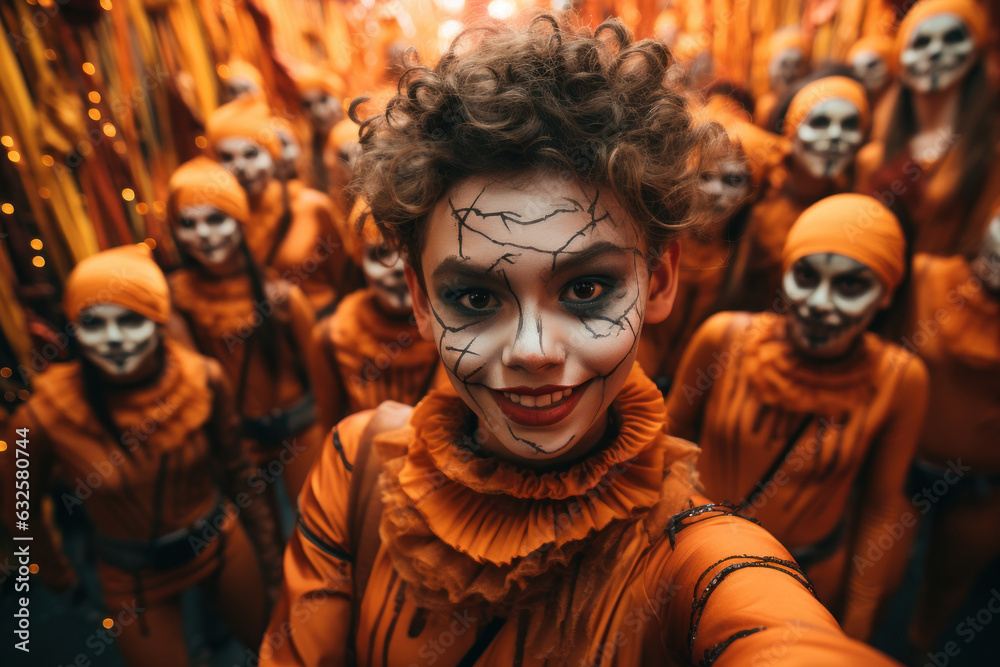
(383, 269)
(119, 341)
(536, 290)
(834, 298)
(829, 137)
(248, 161)
(939, 54)
(726, 185)
(210, 236)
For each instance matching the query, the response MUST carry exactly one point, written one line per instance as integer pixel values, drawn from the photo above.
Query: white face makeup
(209, 236)
(989, 256)
(834, 298)
(238, 86)
(119, 341)
(872, 70)
(290, 152)
(383, 269)
(829, 137)
(785, 68)
(323, 110)
(536, 291)
(726, 185)
(248, 161)
(939, 54)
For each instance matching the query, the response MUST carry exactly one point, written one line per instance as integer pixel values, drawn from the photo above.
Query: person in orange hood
(789, 409)
(787, 61)
(255, 324)
(291, 228)
(954, 325)
(321, 95)
(870, 58)
(535, 512)
(137, 426)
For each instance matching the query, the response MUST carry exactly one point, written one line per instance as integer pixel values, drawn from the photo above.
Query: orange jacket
(745, 395)
(584, 563)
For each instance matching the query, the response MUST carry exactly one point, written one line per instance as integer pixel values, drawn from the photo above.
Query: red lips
(544, 416)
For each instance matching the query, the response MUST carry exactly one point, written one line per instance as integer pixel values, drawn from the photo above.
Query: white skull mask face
(989, 256)
(939, 54)
(872, 70)
(834, 298)
(248, 161)
(726, 185)
(119, 341)
(290, 152)
(785, 68)
(383, 269)
(209, 236)
(827, 140)
(323, 110)
(238, 86)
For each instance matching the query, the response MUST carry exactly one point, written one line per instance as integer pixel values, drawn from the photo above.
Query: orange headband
(856, 226)
(247, 118)
(875, 43)
(763, 149)
(204, 181)
(369, 234)
(786, 39)
(821, 90)
(241, 69)
(967, 10)
(308, 77)
(126, 276)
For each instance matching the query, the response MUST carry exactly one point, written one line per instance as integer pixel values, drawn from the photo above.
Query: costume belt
(281, 424)
(822, 548)
(166, 552)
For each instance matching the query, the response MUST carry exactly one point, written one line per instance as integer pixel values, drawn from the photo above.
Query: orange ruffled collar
(469, 529)
(217, 307)
(359, 326)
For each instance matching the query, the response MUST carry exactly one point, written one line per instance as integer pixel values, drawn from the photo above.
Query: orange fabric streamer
(248, 118)
(205, 181)
(821, 90)
(971, 14)
(856, 226)
(126, 276)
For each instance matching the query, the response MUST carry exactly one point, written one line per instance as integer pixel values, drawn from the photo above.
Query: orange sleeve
(692, 383)
(330, 395)
(885, 511)
(311, 621)
(737, 598)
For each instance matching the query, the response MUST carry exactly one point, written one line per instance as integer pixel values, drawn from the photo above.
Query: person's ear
(663, 272)
(421, 303)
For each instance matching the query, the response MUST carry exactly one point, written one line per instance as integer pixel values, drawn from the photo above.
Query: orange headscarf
(204, 181)
(879, 44)
(971, 14)
(763, 149)
(856, 226)
(358, 239)
(248, 118)
(821, 90)
(311, 77)
(241, 69)
(126, 276)
(786, 38)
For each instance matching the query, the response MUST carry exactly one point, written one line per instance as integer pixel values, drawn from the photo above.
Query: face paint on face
(872, 70)
(829, 137)
(120, 342)
(989, 257)
(726, 185)
(834, 298)
(536, 291)
(248, 161)
(785, 68)
(323, 110)
(290, 152)
(383, 269)
(939, 54)
(209, 236)
(237, 87)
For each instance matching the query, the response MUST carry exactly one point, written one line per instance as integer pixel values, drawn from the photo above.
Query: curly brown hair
(548, 95)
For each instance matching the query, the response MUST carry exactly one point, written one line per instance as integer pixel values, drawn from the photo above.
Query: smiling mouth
(538, 406)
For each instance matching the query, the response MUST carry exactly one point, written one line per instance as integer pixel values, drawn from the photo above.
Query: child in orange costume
(870, 59)
(536, 511)
(321, 95)
(787, 61)
(789, 409)
(954, 326)
(370, 349)
(824, 128)
(291, 228)
(256, 325)
(940, 158)
(137, 426)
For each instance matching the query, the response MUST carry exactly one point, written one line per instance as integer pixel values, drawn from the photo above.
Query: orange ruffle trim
(221, 307)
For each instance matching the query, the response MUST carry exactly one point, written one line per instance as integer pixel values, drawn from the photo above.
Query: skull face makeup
(726, 185)
(872, 69)
(383, 269)
(834, 298)
(785, 67)
(989, 256)
(323, 110)
(248, 161)
(290, 152)
(827, 140)
(209, 236)
(120, 342)
(536, 291)
(238, 86)
(939, 53)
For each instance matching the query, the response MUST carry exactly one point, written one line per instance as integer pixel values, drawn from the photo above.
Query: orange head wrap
(248, 118)
(241, 69)
(856, 226)
(786, 38)
(879, 44)
(204, 181)
(821, 90)
(763, 149)
(971, 14)
(358, 239)
(311, 77)
(126, 276)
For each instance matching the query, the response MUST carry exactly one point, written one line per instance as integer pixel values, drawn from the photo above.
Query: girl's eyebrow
(576, 259)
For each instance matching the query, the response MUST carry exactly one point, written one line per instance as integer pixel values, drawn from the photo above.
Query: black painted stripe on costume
(712, 654)
(328, 549)
(676, 523)
(340, 450)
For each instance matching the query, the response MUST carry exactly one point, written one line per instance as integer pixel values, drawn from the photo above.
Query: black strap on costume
(482, 642)
(758, 489)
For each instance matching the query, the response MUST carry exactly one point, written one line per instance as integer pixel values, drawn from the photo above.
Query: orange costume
(955, 328)
(291, 228)
(882, 104)
(615, 558)
(225, 318)
(163, 526)
(787, 437)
